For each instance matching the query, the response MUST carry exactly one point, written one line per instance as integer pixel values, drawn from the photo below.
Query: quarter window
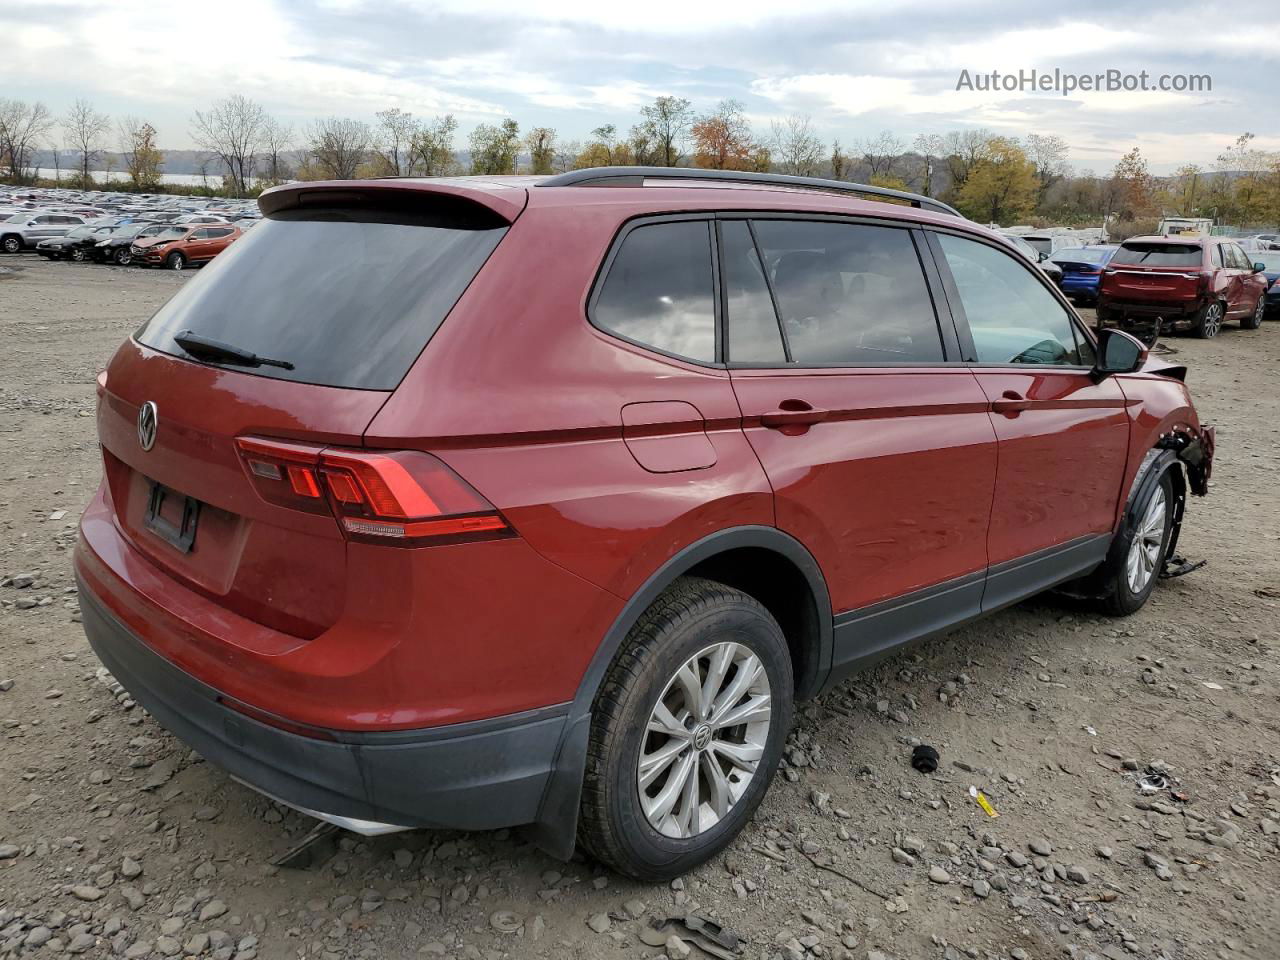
(849, 293)
(659, 290)
(1012, 317)
(754, 336)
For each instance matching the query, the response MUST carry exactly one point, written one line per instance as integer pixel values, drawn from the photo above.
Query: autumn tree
(431, 151)
(722, 139)
(232, 130)
(338, 146)
(541, 144)
(1001, 187)
(142, 158)
(85, 129)
(22, 125)
(1132, 188)
(1248, 177)
(494, 148)
(964, 149)
(666, 123)
(1184, 190)
(795, 148)
(841, 165)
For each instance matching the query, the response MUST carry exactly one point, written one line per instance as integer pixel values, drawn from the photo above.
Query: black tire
(1121, 599)
(1254, 320)
(175, 261)
(77, 254)
(1209, 320)
(689, 616)
(122, 257)
(11, 243)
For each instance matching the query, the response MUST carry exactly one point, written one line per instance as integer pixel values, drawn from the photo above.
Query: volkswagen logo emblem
(148, 420)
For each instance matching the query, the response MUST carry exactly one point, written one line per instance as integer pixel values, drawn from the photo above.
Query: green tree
(665, 124)
(494, 148)
(541, 142)
(431, 151)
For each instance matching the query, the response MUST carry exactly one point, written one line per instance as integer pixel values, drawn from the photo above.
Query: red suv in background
(476, 503)
(1196, 282)
(184, 245)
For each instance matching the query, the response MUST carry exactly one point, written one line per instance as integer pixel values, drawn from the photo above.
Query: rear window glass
(1158, 254)
(349, 298)
(1081, 255)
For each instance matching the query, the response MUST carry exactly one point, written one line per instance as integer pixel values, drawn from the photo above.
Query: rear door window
(659, 290)
(349, 297)
(753, 332)
(1012, 317)
(1158, 255)
(848, 293)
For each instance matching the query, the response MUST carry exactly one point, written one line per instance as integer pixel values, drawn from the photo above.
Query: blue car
(1270, 259)
(1082, 270)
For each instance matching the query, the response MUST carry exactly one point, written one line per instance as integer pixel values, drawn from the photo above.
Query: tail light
(394, 497)
(1202, 281)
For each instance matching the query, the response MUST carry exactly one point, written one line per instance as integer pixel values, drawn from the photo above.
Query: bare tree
(840, 161)
(667, 121)
(22, 125)
(431, 151)
(277, 141)
(339, 145)
(964, 150)
(931, 147)
(566, 154)
(85, 129)
(881, 153)
(1048, 153)
(396, 130)
(232, 130)
(794, 147)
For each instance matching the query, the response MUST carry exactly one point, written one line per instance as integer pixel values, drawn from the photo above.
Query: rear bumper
(1085, 286)
(1149, 309)
(470, 776)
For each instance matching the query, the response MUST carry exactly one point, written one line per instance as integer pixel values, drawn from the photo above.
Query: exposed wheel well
(785, 592)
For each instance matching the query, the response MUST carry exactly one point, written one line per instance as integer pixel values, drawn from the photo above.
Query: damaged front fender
(1194, 448)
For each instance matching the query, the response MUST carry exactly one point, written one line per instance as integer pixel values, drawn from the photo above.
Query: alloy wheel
(1148, 539)
(1213, 320)
(12, 244)
(1259, 311)
(704, 740)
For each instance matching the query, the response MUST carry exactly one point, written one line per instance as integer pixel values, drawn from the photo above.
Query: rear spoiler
(505, 203)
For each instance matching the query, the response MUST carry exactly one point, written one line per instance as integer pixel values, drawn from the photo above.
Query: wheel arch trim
(555, 830)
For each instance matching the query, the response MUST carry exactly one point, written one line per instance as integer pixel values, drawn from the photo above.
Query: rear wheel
(11, 243)
(1137, 557)
(175, 261)
(1254, 320)
(1209, 322)
(686, 731)
(78, 254)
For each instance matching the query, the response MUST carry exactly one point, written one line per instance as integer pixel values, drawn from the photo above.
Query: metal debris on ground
(702, 932)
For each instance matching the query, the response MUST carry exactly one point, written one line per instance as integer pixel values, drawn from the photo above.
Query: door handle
(793, 413)
(1010, 402)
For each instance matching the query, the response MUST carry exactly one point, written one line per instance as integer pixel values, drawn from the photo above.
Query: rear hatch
(1154, 272)
(1083, 265)
(343, 290)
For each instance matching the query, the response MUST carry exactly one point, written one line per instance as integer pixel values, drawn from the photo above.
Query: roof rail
(636, 177)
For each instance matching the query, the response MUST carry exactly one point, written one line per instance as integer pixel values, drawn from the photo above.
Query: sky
(856, 67)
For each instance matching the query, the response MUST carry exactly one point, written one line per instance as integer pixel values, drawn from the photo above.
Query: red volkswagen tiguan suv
(476, 503)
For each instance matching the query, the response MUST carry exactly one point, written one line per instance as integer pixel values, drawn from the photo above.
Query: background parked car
(1082, 270)
(1271, 273)
(1189, 280)
(196, 244)
(114, 247)
(75, 245)
(24, 230)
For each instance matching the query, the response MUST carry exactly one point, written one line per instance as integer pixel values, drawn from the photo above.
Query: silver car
(24, 230)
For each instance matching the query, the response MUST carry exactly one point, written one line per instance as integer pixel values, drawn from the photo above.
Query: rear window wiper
(202, 348)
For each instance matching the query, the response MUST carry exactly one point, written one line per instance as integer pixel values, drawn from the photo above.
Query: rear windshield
(1158, 254)
(1041, 244)
(1081, 255)
(348, 297)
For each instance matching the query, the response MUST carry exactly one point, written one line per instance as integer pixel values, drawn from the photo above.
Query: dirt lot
(116, 840)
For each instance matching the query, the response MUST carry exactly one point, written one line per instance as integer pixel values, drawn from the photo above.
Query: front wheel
(686, 731)
(1210, 321)
(77, 254)
(122, 257)
(1254, 320)
(1137, 557)
(175, 261)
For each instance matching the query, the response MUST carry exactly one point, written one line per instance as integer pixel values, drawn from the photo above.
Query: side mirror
(1118, 352)
(1041, 257)
(1259, 267)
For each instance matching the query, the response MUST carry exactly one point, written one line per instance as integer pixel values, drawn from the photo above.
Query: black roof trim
(636, 177)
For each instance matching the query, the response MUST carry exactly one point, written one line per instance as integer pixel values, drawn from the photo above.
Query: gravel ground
(115, 840)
